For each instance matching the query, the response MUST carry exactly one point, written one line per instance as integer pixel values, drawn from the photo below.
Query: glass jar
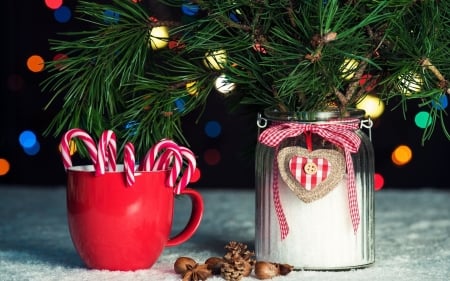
(315, 190)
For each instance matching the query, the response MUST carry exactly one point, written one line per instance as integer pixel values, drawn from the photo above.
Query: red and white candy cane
(167, 154)
(188, 171)
(85, 138)
(129, 163)
(107, 152)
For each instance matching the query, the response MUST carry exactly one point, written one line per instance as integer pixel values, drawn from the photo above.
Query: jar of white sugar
(315, 190)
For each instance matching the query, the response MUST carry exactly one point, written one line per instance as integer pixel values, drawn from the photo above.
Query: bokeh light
(190, 9)
(111, 17)
(60, 58)
(378, 181)
(4, 166)
(180, 104)
(211, 156)
(422, 119)
(442, 103)
(196, 175)
(35, 63)
(401, 155)
(53, 4)
(63, 14)
(32, 150)
(213, 129)
(372, 105)
(27, 139)
(15, 82)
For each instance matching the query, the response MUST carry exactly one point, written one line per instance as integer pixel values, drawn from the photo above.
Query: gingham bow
(341, 133)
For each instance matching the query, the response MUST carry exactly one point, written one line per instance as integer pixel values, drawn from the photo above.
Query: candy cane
(107, 152)
(162, 156)
(159, 156)
(83, 136)
(129, 163)
(166, 154)
(188, 171)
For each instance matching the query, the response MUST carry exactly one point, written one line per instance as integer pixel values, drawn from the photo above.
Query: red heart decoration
(300, 168)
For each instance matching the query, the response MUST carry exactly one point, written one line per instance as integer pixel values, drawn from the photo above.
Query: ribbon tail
(284, 227)
(352, 196)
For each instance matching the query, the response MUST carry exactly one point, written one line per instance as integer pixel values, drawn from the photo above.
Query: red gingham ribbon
(341, 133)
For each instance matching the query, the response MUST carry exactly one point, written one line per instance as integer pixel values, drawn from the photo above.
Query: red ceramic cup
(118, 227)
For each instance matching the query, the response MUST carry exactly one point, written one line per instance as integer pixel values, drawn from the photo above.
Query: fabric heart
(311, 174)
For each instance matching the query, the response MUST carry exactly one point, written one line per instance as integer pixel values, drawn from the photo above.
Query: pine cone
(238, 259)
(233, 270)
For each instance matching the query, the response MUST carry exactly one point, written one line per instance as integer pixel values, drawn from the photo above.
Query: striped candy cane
(188, 171)
(107, 152)
(85, 138)
(129, 163)
(166, 154)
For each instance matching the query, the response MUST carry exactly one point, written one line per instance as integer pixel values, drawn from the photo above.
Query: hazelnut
(182, 264)
(266, 270)
(214, 264)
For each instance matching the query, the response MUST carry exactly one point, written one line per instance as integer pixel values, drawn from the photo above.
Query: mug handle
(194, 220)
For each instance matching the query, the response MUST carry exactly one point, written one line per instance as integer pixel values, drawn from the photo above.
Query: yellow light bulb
(215, 60)
(191, 88)
(348, 68)
(372, 105)
(410, 83)
(159, 37)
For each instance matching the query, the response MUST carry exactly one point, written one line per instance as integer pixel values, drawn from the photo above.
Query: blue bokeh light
(27, 139)
(213, 129)
(63, 14)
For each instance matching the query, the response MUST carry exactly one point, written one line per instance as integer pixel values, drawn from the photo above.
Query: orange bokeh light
(35, 63)
(401, 155)
(4, 166)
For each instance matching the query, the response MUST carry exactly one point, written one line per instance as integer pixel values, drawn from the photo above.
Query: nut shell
(266, 270)
(182, 264)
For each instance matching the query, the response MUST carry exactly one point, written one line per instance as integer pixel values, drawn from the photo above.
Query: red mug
(118, 227)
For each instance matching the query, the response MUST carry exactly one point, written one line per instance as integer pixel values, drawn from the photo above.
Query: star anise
(197, 272)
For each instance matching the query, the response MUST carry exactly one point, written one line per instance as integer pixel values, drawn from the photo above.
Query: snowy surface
(412, 237)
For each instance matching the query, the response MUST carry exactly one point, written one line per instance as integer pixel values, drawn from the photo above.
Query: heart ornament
(311, 174)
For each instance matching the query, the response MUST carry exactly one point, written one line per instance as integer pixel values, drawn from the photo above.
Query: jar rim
(323, 115)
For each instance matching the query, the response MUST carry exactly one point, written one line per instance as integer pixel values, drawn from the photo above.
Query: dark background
(27, 26)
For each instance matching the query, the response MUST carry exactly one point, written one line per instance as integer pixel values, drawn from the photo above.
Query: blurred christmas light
(32, 150)
(53, 4)
(192, 88)
(372, 105)
(15, 82)
(422, 119)
(196, 175)
(442, 103)
(180, 104)
(190, 9)
(159, 37)
(401, 155)
(410, 83)
(4, 166)
(63, 14)
(215, 59)
(60, 58)
(211, 156)
(213, 129)
(35, 63)
(111, 17)
(223, 85)
(378, 181)
(348, 68)
(27, 139)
